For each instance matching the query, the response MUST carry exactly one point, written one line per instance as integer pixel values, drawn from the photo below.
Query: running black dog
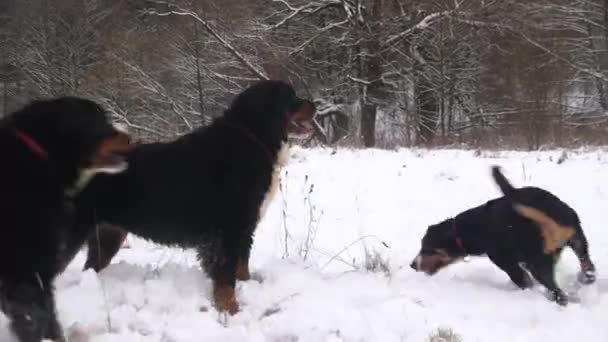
(526, 230)
(207, 190)
(45, 149)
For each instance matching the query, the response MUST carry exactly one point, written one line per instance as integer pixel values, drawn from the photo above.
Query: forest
(505, 74)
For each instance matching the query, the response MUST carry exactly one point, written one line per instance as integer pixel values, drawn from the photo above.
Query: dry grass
(375, 262)
(443, 334)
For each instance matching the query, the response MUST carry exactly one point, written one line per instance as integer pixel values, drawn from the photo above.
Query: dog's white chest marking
(275, 181)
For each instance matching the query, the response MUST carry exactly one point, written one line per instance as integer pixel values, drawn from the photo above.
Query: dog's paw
(225, 300)
(586, 277)
(560, 298)
(574, 298)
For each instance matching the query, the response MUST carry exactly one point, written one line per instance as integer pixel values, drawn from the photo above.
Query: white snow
(316, 287)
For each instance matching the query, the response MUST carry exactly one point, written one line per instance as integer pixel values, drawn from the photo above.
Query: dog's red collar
(457, 237)
(253, 138)
(32, 144)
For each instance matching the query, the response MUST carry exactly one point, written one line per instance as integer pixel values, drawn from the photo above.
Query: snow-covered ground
(309, 253)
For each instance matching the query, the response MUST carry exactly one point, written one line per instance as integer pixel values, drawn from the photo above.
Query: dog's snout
(415, 265)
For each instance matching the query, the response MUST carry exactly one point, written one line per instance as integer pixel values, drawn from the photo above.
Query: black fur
(509, 239)
(202, 191)
(503, 183)
(103, 245)
(36, 214)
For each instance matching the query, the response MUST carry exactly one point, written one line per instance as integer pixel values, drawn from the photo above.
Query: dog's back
(176, 192)
(557, 222)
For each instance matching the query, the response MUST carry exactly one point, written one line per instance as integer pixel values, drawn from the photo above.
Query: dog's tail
(554, 234)
(500, 179)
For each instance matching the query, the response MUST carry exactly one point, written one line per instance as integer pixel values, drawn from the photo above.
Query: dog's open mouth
(300, 128)
(431, 264)
(112, 163)
(300, 123)
(111, 154)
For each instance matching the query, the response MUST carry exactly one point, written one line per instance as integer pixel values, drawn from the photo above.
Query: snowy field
(315, 282)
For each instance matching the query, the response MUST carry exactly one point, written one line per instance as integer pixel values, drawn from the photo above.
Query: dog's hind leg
(579, 245)
(543, 270)
(54, 331)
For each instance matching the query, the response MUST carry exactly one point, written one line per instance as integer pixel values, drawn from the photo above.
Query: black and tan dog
(524, 231)
(207, 190)
(45, 148)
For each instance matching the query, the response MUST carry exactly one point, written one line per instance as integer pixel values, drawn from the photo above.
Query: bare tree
(382, 72)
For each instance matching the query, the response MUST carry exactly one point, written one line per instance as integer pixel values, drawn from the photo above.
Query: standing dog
(45, 148)
(206, 190)
(526, 230)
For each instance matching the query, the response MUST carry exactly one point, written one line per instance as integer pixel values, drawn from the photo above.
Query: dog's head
(75, 133)
(272, 109)
(440, 248)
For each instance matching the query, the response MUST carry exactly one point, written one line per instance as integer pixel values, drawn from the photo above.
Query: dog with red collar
(206, 190)
(523, 233)
(47, 148)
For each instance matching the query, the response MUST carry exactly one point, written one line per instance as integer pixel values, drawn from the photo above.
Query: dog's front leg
(31, 311)
(54, 331)
(221, 263)
(519, 276)
(543, 270)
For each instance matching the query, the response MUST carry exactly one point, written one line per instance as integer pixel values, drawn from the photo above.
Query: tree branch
(588, 71)
(256, 70)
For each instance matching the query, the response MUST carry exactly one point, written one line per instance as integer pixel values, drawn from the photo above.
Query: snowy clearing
(310, 254)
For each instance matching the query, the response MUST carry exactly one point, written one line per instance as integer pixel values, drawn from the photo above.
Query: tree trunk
(560, 122)
(426, 107)
(603, 93)
(368, 124)
(371, 71)
(5, 99)
(450, 107)
(603, 85)
(369, 108)
(199, 81)
(4, 74)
